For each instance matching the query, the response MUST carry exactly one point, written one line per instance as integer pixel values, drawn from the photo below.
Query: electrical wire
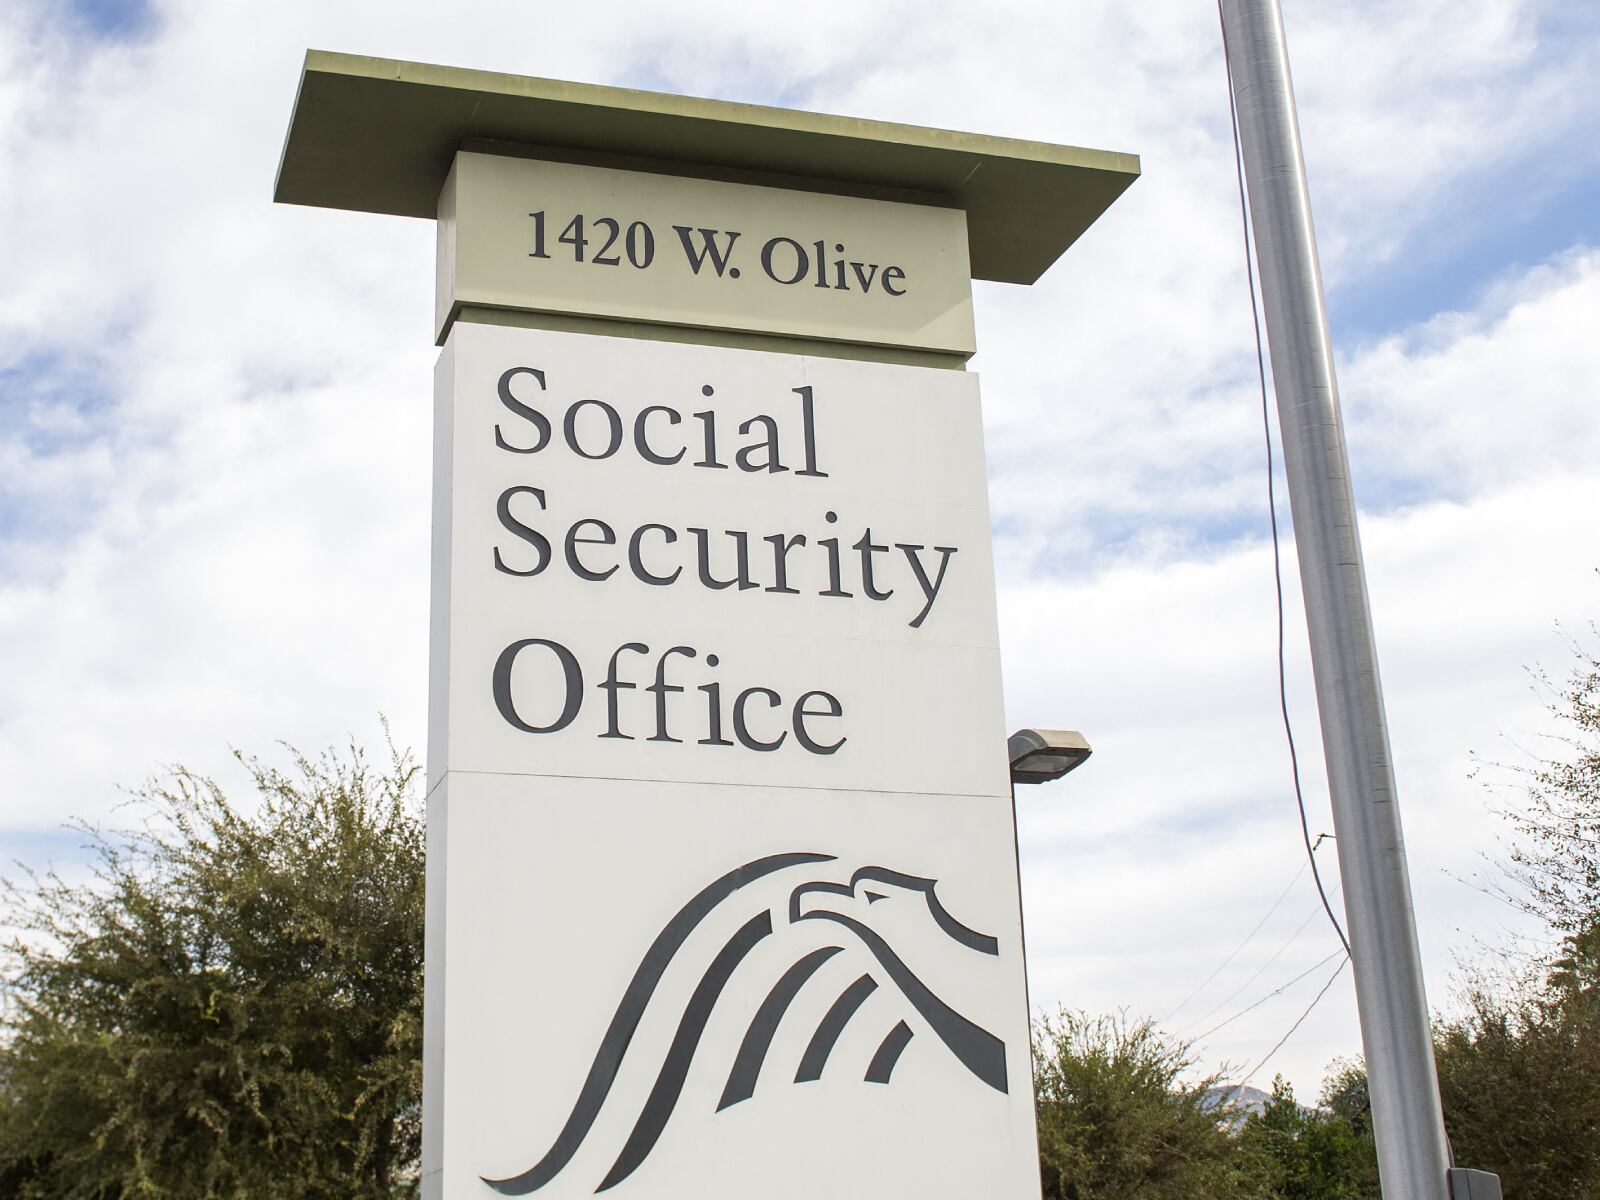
(1316, 966)
(1272, 501)
(1254, 975)
(1344, 962)
(1257, 973)
(1247, 938)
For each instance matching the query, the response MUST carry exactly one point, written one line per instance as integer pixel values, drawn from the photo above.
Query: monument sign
(722, 886)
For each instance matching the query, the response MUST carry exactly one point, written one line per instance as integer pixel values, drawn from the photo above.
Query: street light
(1040, 755)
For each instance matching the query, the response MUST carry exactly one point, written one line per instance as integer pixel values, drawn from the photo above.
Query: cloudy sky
(214, 423)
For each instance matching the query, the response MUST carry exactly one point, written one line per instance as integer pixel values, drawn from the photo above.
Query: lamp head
(1040, 755)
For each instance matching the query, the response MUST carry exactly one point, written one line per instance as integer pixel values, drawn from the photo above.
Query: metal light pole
(1408, 1122)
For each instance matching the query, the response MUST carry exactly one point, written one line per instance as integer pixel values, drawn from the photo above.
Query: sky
(215, 422)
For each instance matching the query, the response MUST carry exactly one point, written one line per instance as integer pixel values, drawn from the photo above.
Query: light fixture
(1040, 755)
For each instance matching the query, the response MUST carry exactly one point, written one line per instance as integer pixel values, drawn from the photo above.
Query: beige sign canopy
(379, 135)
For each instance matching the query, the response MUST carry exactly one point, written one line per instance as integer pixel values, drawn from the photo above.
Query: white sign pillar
(722, 886)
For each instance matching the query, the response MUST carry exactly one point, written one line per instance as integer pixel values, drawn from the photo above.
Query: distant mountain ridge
(1235, 1104)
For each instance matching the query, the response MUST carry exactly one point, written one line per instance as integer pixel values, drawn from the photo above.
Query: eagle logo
(846, 905)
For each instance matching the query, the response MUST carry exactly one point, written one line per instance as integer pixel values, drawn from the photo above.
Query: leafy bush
(232, 1006)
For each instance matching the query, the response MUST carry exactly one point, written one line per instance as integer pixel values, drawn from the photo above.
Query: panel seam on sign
(793, 344)
(704, 783)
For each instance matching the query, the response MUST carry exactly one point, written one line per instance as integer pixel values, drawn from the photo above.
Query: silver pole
(1407, 1120)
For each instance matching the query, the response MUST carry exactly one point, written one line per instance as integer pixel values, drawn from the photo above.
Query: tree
(1520, 1085)
(1555, 854)
(1346, 1096)
(232, 1007)
(1519, 1070)
(1520, 1079)
(1322, 1153)
(1116, 1121)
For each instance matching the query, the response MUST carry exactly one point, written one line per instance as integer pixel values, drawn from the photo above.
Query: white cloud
(1481, 399)
(1147, 866)
(214, 461)
(1412, 113)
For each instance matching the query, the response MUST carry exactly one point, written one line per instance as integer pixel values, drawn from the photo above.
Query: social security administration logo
(819, 900)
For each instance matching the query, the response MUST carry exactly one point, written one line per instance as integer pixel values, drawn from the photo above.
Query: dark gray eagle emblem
(814, 900)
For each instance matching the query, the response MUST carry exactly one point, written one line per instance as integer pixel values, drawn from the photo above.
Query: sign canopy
(380, 135)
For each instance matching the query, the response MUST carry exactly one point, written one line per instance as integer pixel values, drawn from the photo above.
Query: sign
(817, 527)
(722, 894)
(718, 808)
(553, 237)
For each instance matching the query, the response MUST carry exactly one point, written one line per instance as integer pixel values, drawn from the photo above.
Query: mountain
(1234, 1105)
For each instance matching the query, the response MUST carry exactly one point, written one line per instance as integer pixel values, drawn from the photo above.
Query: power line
(1317, 966)
(1254, 975)
(1315, 1001)
(1247, 937)
(1272, 500)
